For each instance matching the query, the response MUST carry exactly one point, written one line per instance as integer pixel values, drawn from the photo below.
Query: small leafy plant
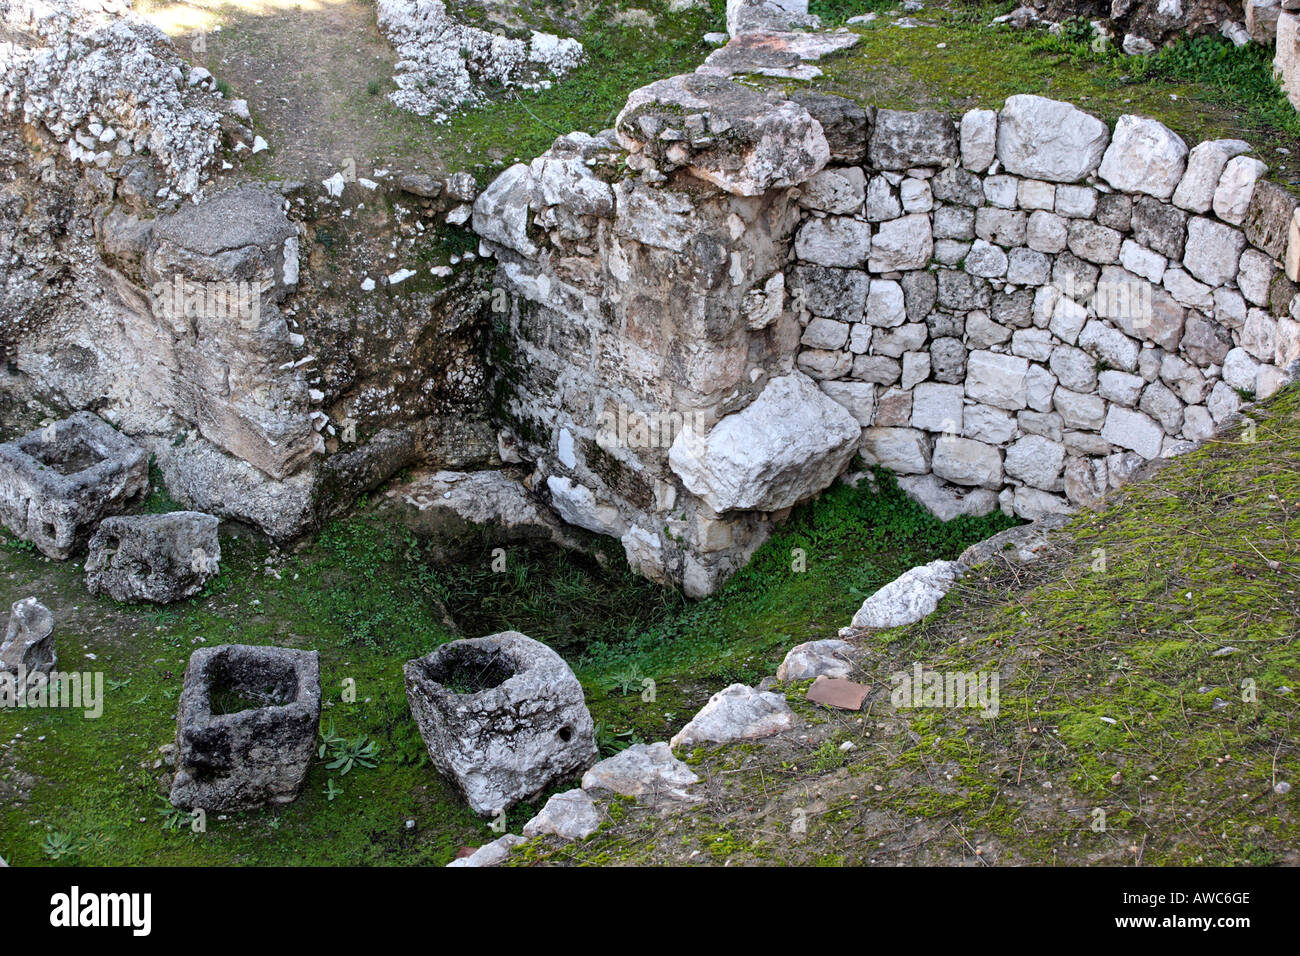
(58, 845)
(345, 753)
(174, 818)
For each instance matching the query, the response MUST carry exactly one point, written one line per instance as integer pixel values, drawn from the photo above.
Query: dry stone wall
(1009, 309)
(1041, 304)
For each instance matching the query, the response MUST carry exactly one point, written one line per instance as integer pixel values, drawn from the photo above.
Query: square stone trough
(58, 481)
(246, 728)
(503, 717)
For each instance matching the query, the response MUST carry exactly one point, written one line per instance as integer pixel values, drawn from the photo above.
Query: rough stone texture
(816, 659)
(956, 294)
(1144, 156)
(443, 63)
(58, 481)
(571, 815)
(845, 124)
(947, 501)
(153, 558)
(736, 138)
(1205, 163)
(1213, 250)
(902, 140)
(1021, 545)
(502, 717)
(737, 712)
(979, 132)
(909, 597)
(766, 16)
(904, 243)
(28, 645)
(786, 445)
(1050, 140)
(230, 377)
(490, 854)
(456, 511)
(1286, 59)
(648, 772)
(246, 727)
(1236, 187)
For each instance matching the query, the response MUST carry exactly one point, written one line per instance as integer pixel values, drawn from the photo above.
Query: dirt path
(316, 75)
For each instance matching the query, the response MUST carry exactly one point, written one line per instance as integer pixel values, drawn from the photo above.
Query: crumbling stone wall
(268, 344)
(1140, 26)
(1016, 307)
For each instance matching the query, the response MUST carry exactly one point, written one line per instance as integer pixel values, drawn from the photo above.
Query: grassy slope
(366, 598)
(1118, 693)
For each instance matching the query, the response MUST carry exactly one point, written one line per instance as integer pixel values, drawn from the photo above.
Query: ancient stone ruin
(58, 481)
(155, 558)
(503, 717)
(1016, 307)
(246, 727)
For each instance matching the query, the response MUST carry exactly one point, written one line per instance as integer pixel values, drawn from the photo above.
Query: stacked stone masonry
(1011, 309)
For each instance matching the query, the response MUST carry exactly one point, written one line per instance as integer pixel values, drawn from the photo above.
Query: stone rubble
(736, 713)
(908, 598)
(814, 659)
(571, 815)
(443, 64)
(648, 772)
(83, 65)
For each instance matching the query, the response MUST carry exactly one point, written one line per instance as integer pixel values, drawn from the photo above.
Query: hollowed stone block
(158, 558)
(246, 727)
(503, 717)
(58, 481)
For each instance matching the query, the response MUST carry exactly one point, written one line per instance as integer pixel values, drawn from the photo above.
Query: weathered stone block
(786, 445)
(58, 481)
(156, 558)
(902, 140)
(1049, 140)
(246, 727)
(502, 716)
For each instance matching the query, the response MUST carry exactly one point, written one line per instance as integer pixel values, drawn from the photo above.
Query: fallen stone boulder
(1023, 544)
(28, 646)
(644, 771)
(909, 597)
(154, 558)
(743, 141)
(736, 713)
(785, 446)
(246, 727)
(816, 659)
(491, 854)
(784, 55)
(502, 717)
(571, 815)
(58, 481)
(767, 16)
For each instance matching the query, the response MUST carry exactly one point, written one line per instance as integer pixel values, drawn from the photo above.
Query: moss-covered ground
(366, 595)
(1148, 713)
